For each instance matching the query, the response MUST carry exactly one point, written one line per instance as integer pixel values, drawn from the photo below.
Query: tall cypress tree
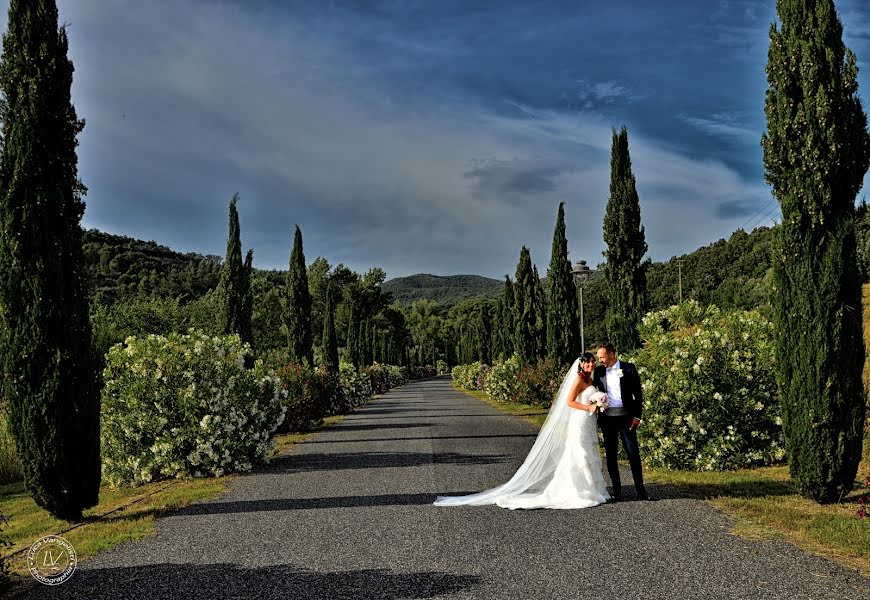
(816, 152)
(297, 306)
(508, 328)
(352, 337)
(246, 331)
(540, 315)
(624, 270)
(329, 342)
(49, 372)
(525, 320)
(497, 346)
(563, 325)
(231, 287)
(364, 345)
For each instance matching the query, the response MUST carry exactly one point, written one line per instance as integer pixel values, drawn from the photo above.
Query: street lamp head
(581, 272)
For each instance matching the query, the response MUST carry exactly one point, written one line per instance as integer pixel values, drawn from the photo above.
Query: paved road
(348, 514)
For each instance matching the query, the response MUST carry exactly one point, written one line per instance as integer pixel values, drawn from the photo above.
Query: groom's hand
(635, 423)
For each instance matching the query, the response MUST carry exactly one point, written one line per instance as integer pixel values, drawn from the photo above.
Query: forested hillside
(443, 289)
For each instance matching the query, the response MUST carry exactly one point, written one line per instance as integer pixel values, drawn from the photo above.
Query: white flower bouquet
(599, 400)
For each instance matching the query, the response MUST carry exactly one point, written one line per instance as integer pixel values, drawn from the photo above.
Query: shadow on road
(173, 581)
(281, 504)
(426, 438)
(334, 461)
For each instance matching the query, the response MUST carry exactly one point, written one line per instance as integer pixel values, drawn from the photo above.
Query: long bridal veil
(540, 464)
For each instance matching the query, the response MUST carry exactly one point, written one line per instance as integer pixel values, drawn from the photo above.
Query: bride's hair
(586, 356)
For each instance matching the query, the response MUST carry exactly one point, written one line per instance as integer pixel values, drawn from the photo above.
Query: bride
(563, 468)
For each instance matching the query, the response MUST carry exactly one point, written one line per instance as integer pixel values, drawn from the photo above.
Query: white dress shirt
(612, 383)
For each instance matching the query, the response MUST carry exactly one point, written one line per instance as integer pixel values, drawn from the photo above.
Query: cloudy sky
(422, 136)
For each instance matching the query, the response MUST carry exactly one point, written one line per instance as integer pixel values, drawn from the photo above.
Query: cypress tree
(540, 316)
(816, 152)
(626, 244)
(497, 347)
(231, 293)
(508, 328)
(525, 319)
(297, 306)
(352, 342)
(246, 331)
(563, 324)
(50, 378)
(330, 343)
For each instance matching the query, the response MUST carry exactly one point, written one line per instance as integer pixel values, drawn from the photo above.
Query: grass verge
(762, 502)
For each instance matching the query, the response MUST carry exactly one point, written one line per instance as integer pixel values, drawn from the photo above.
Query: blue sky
(434, 137)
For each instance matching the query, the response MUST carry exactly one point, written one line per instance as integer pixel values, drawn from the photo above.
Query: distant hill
(443, 289)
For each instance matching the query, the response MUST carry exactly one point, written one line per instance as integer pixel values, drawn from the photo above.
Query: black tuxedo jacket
(629, 384)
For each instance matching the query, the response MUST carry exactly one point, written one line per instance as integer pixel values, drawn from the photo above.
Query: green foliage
(121, 268)
(626, 245)
(297, 306)
(231, 288)
(710, 397)
(816, 153)
(246, 332)
(10, 464)
(267, 321)
(353, 339)
(563, 327)
(441, 289)
(329, 343)
(50, 377)
(185, 406)
(526, 319)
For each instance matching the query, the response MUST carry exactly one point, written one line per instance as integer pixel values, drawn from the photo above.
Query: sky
(423, 136)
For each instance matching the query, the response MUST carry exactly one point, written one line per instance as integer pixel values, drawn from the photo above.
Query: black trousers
(613, 429)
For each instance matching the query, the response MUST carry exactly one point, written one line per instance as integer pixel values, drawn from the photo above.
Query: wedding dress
(563, 468)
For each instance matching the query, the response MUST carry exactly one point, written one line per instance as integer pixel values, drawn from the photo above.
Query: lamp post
(680, 267)
(581, 273)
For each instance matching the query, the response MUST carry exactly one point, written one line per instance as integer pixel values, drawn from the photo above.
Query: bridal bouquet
(599, 399)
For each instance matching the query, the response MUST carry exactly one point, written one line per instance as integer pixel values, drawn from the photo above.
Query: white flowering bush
(356, 387)
(501, 384)
(470, 376)
(710, 396)
(185, 406)
(384, 377)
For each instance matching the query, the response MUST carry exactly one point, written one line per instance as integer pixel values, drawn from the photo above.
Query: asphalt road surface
(348, 514)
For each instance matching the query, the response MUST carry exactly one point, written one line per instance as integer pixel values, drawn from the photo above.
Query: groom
(621, 382)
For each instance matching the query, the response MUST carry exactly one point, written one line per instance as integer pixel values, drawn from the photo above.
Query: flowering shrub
(184, 405)
(384, 377)
(710, 396)
(420, 372)
(356, 387)
(502, 382)
(507, 381)
(302, 397)
(469, 376)
(537, 384)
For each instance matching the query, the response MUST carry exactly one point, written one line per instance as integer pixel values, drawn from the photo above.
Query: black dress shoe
(644, 497)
